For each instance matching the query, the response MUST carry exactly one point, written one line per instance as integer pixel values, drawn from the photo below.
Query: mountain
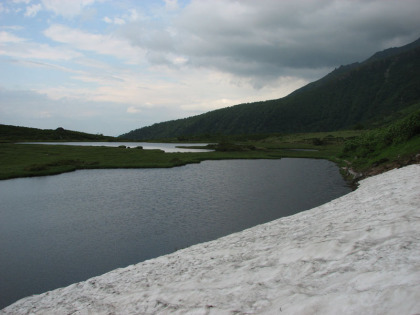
(15, 133)
(365, 93)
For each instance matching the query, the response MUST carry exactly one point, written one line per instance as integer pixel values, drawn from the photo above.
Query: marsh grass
(340, 147)
(21, 160)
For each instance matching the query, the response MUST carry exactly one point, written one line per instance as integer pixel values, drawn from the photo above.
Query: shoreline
(32, 160)
(356, 254)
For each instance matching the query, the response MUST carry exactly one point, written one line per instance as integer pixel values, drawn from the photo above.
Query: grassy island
(21, 160)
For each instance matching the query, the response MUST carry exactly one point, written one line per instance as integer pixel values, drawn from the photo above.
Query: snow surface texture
(358, 254)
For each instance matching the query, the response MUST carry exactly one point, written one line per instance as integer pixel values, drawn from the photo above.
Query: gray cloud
(266, 39)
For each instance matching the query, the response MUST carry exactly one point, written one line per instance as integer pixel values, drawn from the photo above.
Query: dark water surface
(57, 230)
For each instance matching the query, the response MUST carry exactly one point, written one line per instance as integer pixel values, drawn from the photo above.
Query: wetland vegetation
(363, 150)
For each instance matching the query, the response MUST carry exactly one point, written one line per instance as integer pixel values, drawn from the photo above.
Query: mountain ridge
(362, 93)
(18, 133)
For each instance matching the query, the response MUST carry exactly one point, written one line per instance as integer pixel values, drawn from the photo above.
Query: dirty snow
(358, 254)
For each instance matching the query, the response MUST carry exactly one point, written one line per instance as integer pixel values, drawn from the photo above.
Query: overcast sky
(103, 66)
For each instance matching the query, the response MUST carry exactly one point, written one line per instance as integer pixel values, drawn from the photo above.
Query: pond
(57, 230)
(167, 147)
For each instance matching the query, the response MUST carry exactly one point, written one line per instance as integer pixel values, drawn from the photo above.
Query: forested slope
(361, 94)
(16, 133)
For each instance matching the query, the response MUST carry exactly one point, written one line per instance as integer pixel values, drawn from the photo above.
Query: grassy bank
(378, 150)
(22, 160)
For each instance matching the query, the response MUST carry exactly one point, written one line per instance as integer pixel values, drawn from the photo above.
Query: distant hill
(15, 133)
(360, 94)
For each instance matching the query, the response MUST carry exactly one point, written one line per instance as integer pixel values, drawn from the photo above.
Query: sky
(108, 67)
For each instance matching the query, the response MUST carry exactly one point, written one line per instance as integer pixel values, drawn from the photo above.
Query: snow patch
(358, 254)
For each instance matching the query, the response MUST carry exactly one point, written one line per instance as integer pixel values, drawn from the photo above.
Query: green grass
(22, 160)
(19, 160)
(362, 149)
(396, 143)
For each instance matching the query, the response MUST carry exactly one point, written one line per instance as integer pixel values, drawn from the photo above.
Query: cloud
(132, 15)
(67, 8)
(21, 1)
(116, 20)
(7, 37)
(22, 48)
(12, 27)
(33, 10)
(98, 43)
(133, 110)
(45, 65)
(171, 4)
(266, 39)
(17, 47)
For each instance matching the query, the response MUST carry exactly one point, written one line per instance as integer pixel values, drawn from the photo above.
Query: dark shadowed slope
(15, 133)
(364, 93)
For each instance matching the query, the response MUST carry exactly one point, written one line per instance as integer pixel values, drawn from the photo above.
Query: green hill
(14, 133)
(368, 94)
